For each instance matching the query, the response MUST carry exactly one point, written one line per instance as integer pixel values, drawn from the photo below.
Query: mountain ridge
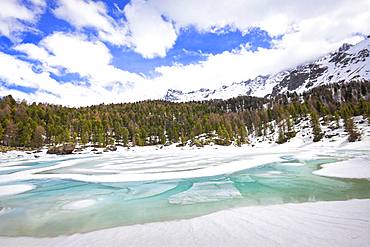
(348, 63)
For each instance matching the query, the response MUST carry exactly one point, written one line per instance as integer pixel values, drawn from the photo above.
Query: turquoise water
(50, 209)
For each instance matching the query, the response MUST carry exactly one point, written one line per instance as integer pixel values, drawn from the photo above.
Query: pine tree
(242, 134)
(336, 118)
(1, 133)
(38, 137)
(10, 134)
(316, 129)
(84, 137)
(100, 137)
(281, 137)
(125, 134)
(183, 138)
(138, 140)
(291, 132)
(66, 135)
(353, 134)
(162, 137)
(75, 137)
(24, 134)
(152, 120)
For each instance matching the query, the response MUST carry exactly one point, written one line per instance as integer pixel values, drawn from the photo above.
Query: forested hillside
(161, 122)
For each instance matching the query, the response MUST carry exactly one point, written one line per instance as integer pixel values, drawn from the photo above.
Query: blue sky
(191, 47)
(81, 52)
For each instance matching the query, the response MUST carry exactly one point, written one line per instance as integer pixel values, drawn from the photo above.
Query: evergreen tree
(291, 132)
(100, 137)
(38, 137)
(139, 141)
(75, 137)
(66, 135)
(242, 134)
(281, 136)
(152, 122)
(84, 137)
(124, 134)
(162, 136)
(316, 129)
(336, 118)
(353, 134)
(1, 133)
(84, 134)
(10, 134)
(24, 134)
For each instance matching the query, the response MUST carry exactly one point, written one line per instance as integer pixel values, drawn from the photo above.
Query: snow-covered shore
(353, 168)
(155, 163)
(147, 163)
(308, 224)
(342, 223)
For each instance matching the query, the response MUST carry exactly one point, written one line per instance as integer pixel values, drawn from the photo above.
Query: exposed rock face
(110, 148)
(66, 148)
(297, 77)
(172, 95)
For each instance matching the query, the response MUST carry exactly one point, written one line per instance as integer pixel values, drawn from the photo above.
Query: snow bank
(353, 168)
(309, 224)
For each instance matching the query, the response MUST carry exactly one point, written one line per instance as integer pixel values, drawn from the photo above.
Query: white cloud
(153, 26)
(75, 54)
(16, 72)
(145, 31)
(308, 34)
(310, 29)
(153, 36)
(62, 53)
(16, 18)
(243, 64)
(150, 34)
(276, 17)
(89, 14)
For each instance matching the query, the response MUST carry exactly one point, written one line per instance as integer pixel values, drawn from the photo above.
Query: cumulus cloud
(151, 27)
(275, 17)
(307, 33)
(20, 73)
(302, 31)
(91, 60)
(17, 72)
(71, 53)
(150, 34)
(315, 18)
(16, 18)
(143, 29)
(89, 14)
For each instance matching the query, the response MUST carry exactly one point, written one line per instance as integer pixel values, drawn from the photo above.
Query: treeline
(161, 122)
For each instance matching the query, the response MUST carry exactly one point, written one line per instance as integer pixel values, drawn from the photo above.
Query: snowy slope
(348, 63)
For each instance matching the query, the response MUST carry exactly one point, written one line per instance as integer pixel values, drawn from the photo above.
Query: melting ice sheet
(81, 193)
(206, 192)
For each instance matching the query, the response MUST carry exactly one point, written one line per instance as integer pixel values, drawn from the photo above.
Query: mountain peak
(344, 47)
(348, 63)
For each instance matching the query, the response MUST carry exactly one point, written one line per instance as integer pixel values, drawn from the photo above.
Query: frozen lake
(62, 195)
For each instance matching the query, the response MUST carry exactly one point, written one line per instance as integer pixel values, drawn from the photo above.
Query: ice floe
(6, 190)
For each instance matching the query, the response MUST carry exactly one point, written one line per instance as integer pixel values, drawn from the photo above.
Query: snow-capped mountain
(348, 63)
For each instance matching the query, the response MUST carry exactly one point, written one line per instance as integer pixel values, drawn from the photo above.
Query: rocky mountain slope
(348, 63)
